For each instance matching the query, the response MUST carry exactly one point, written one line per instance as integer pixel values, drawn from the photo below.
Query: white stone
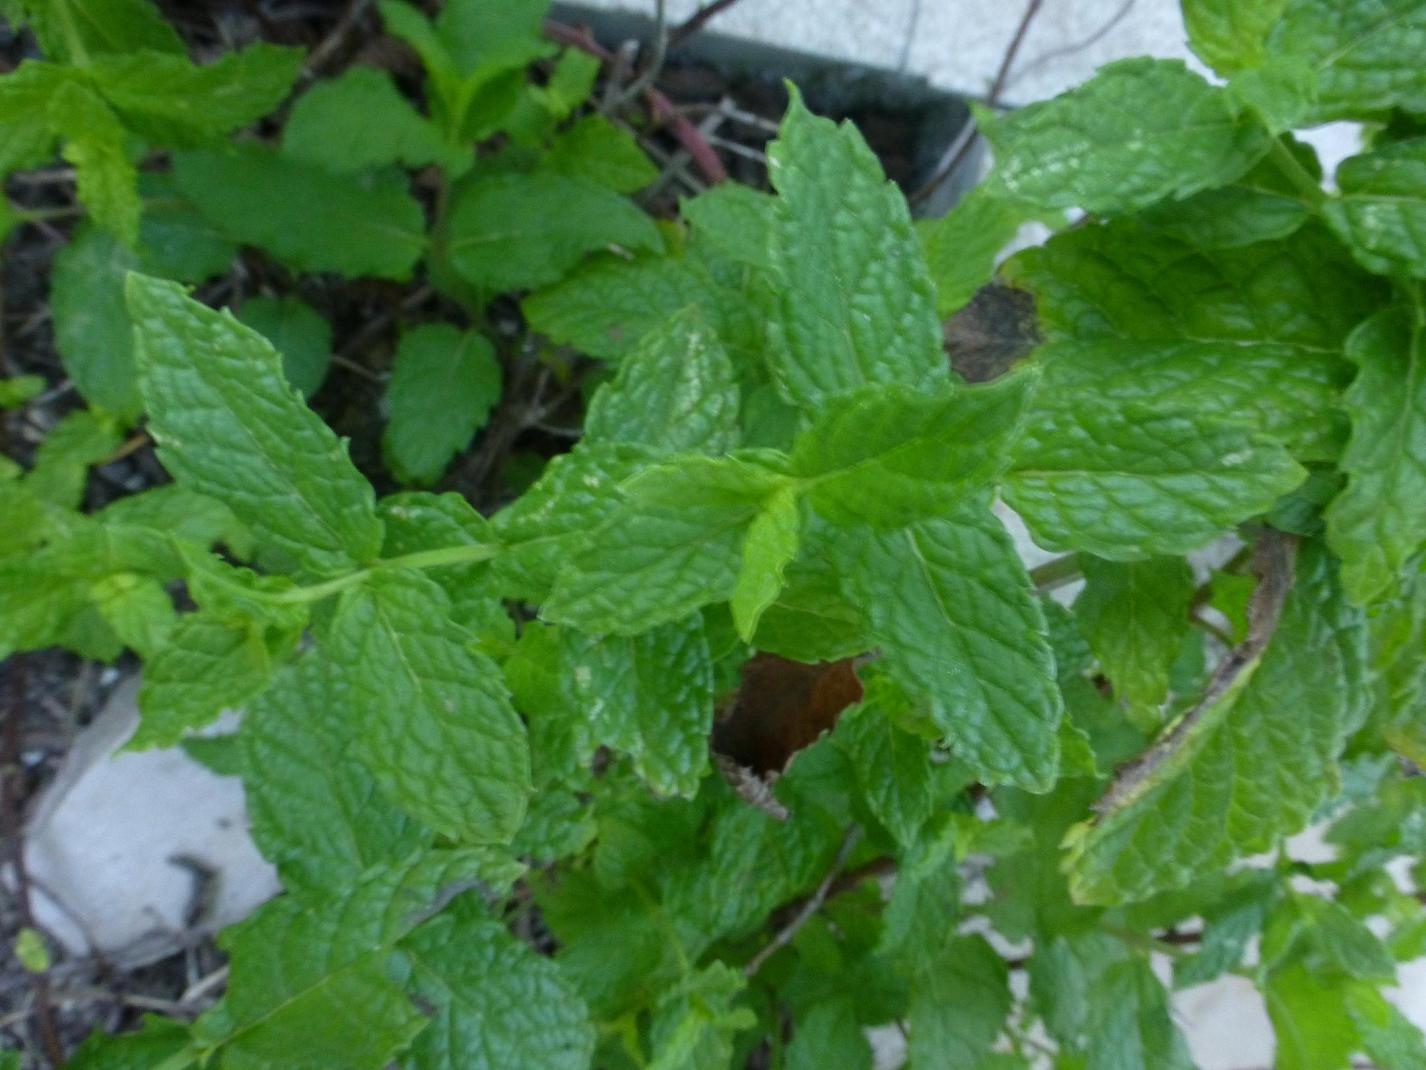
(102, 835)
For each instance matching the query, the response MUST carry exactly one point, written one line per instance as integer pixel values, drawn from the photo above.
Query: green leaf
(159, 1039)
(359, 121)
(1253, 767)
(811, 618)
(443, 385)
(496, 1003)
(91, 322)
(175, 242)
(1361, 56)
(1135, 616)
(28, 136)
(106, 180)
(736, 220)
(1388, 1036)
(1373, 524)
(1129, 1021)
(436, 726)
(855, 305)
(1246, 333)
(650, 696)
(208, 665)
(311, 973)
(961, 246)
(886, 455)
(315, 809)
(307, 218)
(62, 460)
(593, 148)
(608, 305)
(1324, 935)
(71, 31)
(297, 331)
(1309, 1020)
(1381, 213)
(1131, 481)
(517, 232)
(167, 99)
(892, 767)
(694, 1024)
(829, 1037)
(959, 1003)
(182, 514)
(229, 427)
(31, 951)
(676, 391)
(771, 544)
(1140, 130)
(950, 605)
(1229, 35)
(552, 521)
(17, 390)
(418, 522)
(674, 544)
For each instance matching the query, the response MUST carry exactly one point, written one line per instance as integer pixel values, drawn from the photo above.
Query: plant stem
(443, 557)
(1298, 175)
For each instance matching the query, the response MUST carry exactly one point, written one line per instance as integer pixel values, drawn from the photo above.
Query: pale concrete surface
(102, 836)
(955, 45)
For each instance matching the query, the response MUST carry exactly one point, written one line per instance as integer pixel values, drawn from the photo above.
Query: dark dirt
(61, 693)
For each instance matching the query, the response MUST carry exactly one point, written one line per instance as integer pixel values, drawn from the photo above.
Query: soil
(50, 695)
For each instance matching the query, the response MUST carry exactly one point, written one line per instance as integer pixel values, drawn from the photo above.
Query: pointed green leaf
(770, 546)
(443, 385)
(1135, 616)
(892, 766)
(308, 218)
(105, 178)
(1254, 766)
(71, 31)
(1309, 1020)
(297, 331)
(886, 455)
(516, 232)
(436, 726)
(676, 391)
(594, 148)
(1140, 130)
(91, 322)
(1129, 481)
(230, 427)
(855, 303)
(961, 246)
(1374, 523)
(958, 624)
(1229, 35)
(1388, 1036)
(959, 1003)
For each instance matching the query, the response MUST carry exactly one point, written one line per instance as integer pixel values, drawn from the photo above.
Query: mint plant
(477, 747)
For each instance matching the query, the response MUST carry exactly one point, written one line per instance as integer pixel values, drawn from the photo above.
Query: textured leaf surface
(419, 522)
(771, 544)
(892, 766)
(359, 121)
(676, 391)
(306, 217)
(674, 544)
(436, 726)
(1362, 55)
(958, 624)
(70, 32)
(296, 330)
(443, 385)
(1230, 34)
(1381, 213)
(208, 665)
(316, 811)
(889, 454)
(595, 149)
(91, 322)
(1376, 524)
(230, 428)
(1256, 765)
(497, 1004)
(1253, 332)
(311, 973)
(1135, 616)
(959, 1003)
(1140, 130)
(516, 232)
(855, 305)
(649, 696)
(1132, 481)
(962, 245)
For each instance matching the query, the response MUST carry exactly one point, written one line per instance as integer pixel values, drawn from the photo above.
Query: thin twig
(1273, 559)
(14, 834)
(659, 105)
(813, 904)
(964, 140)
(650, 73)
(1077, 46)
(328, 46)
(695, 22)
